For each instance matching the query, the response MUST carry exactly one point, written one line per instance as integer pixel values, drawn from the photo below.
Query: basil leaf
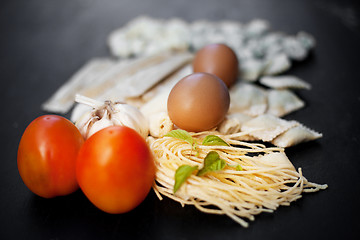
(239, 168)
(212, 140)
(182, 173)
(182, 135)
(212, 162)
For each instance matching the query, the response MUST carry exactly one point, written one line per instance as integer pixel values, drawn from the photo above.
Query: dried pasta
(267, 179)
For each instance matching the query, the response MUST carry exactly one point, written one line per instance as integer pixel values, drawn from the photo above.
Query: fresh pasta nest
(267, 178)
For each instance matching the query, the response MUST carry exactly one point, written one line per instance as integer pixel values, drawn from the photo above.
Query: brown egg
(218, 59)
(198, 102)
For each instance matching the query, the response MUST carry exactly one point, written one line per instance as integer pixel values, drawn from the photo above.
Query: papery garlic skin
(105, 114)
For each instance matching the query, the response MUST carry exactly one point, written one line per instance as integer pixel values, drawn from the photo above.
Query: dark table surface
(42, 43)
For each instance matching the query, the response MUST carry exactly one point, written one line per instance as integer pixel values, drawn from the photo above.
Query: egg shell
(218, 59)
(198, 102)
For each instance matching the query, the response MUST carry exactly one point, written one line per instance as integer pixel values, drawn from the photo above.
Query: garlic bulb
(105, 114)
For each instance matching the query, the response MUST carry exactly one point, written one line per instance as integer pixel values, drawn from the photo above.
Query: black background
(42, 43)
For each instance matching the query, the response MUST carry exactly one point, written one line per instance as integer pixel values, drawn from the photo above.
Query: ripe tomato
(47, 156)
(115, 169)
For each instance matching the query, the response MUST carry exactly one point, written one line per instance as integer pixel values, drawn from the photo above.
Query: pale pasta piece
(134, 101)
(251, 69)
(140, 81)
(283, 102)
(168, 83)
(276, 159)
(247, 98)
(63, 99)
(307, 40)
(232, 123)
(266, 127)
(156, 104)
(256, 28)
(295, 135)
(119, 75)
(277, 64)
(164, 86)
(285, 81)
(101, 76)
(229, 126)
(294, 49)
(160, 124)
(145, 35)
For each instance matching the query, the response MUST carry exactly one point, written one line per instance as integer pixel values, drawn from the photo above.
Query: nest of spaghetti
(266, 178)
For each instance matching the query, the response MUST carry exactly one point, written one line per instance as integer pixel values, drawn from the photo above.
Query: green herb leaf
(181, 174)
(212, 162)
(239, 168)
(212, 140)
(183, 135)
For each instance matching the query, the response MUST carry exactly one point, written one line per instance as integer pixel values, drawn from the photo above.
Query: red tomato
(115, 169)
(47, 156)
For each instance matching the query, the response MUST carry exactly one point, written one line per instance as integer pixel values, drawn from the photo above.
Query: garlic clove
(123, 119)
(133, 111)
(130, 116)
(127, 120)
(98, 125)
(84, 122)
